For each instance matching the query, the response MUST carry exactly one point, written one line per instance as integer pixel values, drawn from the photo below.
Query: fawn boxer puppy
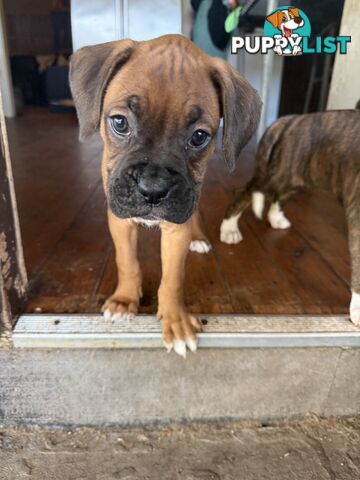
(319, 150)
(158, 104)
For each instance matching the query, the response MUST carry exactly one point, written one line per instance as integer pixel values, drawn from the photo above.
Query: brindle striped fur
(319, 150)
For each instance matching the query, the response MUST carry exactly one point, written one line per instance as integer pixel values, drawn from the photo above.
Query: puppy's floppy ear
(240, 108)
(91, 69)
(275, 18)
(294, 11)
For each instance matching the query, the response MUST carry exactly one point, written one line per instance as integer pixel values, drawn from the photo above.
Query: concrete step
(290, 366)
(321, 449)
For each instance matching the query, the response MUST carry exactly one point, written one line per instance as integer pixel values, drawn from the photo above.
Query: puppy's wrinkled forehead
(163, 85)
(167, 80)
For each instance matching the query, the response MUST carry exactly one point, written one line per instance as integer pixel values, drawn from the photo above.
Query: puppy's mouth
(287, 32)
(151, 193)
(292, 25)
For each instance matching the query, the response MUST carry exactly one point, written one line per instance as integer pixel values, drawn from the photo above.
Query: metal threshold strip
(220, 331)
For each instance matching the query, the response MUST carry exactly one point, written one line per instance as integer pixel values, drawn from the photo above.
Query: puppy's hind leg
(199, 241)
(229, 230)
(276, 216)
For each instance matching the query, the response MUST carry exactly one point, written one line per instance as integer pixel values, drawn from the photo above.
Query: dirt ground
(313, 449)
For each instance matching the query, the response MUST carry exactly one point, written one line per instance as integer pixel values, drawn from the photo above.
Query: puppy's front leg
(178, 325)
(125, 300)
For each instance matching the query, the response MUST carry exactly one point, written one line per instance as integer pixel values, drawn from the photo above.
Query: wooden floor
(70, 258)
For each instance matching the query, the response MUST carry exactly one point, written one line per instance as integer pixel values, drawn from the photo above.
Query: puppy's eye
(120, 125)
(198, 139)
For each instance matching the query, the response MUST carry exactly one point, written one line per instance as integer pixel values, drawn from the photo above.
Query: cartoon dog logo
(286, 21)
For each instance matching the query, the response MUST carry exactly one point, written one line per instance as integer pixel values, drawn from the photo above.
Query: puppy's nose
(153, 192)
(154, 184)
(298, 20)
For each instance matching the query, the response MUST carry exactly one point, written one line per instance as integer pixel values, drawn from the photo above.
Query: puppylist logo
(288, 27)
(287, 31)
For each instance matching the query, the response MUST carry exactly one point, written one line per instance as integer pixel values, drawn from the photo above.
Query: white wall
(252, 67)
(187, 18)
(149, 19)
(5, 74)
(97, 21)
(345, 84)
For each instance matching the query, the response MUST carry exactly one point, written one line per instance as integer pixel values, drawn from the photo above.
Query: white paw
(277, 218)
(230, 236)
(281, 223)
(355, 309)
(229, 230)
(191, 343)
(258, 204)
(200, 246)
(168, 346)
(179, 346)
(113, 317)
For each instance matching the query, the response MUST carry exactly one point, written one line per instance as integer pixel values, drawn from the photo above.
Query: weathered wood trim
(13, 278)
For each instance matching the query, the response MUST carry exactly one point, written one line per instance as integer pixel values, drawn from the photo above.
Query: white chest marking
(147, 223)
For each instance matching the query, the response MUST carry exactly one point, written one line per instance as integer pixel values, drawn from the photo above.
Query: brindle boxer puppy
(315, 150)
(158, 104)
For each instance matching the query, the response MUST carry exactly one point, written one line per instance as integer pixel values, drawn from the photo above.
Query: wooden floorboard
(68, 277)
(304, 268)
(70, 257)
(257, 284)
(324, 229)
(54, 176)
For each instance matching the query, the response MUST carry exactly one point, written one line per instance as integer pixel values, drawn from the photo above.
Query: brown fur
(164, 82)
(319, 150)
(275, 19)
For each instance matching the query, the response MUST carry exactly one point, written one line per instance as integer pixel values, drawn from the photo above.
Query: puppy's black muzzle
(151, 192)
(153, 183)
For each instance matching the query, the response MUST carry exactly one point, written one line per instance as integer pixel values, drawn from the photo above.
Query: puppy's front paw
(117, 308)
(355, 308)
(179, 330)
(200, 246)
(231, 237)
(229, 231)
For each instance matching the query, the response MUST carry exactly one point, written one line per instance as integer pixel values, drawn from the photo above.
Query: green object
(201, 35)
(232, 20)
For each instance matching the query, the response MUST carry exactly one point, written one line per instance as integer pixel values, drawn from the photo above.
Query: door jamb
(13, 276)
